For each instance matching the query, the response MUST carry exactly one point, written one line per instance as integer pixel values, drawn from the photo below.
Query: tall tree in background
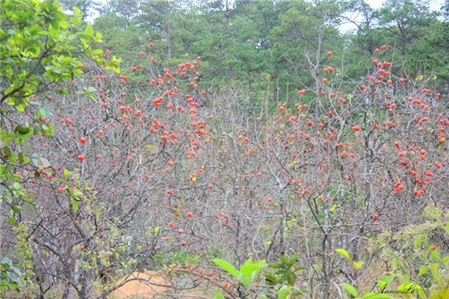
(119, 27)
(405, 21)
(159, 18)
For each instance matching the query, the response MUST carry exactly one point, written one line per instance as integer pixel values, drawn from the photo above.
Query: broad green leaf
(11, 220)
(62, 91)
(292, 260)
(228, 267)
(97, 52)
(219, 296)
(284, 292)
(434, 269)
(283, 259)
(350, 289)
(407, 288)
(271, 279)
(12, 158)
(275, 265)
(373, 295)
(74, 204)
(20, 107)
(343, 253)
(6, 152)
(23, 159)
(20, 140)
(387, 279)
(249, 270)
(436, 255)
(291, 278)
(44, 112)
(89, 30)
(443, 294)
(422, 271)
(357, 265)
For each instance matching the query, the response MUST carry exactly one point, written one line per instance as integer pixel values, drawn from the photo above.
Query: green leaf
(276, 265)
(442, 294)
(228, 267)
(350, 289)
(343, 253)
(434, 269)
(6, 152)
(271, 279)
(89, 30)
(291, 278)
(12, 158)
(23, 159)
(436, 255)
(387, 279)
(284, 292)
(20, 140)
(44, 112)
(372, 295)
(20, 107)
(11, 220)
(62, 91)
(357, 265)
(219, 296)
(249, 270)
(422, 271)
(75, 205)
(284, 259)
(292, 260)
(407, 288)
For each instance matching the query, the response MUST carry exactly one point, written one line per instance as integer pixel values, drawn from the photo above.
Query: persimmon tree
(40, 49)
(210, 179)
(371, 161)
(113, 173)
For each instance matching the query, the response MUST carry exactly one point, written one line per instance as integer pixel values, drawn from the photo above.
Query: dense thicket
(200, 134)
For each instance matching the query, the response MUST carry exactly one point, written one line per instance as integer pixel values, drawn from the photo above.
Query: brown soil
(150, 288)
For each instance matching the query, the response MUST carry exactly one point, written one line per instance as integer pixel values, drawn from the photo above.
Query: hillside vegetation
(215, 149)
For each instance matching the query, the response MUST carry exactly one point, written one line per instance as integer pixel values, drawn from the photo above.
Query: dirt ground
(138, 289)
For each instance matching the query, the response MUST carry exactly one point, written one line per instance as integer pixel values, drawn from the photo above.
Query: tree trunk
(227, 15)
(168, 39)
